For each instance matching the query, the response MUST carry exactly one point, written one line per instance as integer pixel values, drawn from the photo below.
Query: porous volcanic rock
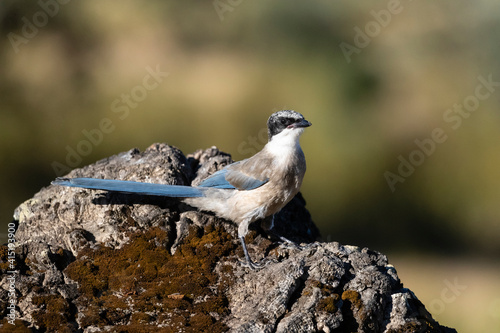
(93, 261)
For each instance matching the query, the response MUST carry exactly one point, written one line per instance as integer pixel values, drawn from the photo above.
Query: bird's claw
(288, 244)
(257, 265)
(291, 245)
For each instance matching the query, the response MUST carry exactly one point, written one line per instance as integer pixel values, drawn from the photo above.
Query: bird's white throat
(284, 143)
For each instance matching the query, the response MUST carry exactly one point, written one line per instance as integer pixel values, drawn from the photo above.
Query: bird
(244, 191)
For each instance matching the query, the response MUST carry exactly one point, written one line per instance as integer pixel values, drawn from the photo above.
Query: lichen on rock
(94, 261)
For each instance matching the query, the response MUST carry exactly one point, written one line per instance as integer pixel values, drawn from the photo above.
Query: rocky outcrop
(92, 261)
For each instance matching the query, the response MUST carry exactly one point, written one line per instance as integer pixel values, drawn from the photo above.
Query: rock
(92, 261)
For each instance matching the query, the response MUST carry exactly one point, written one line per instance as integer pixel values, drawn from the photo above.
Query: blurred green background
(395, 90)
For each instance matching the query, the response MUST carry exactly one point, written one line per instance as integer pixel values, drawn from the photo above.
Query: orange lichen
(330, 299)
(328, 304)
(11, 263)
(4, 261)
(353, 297)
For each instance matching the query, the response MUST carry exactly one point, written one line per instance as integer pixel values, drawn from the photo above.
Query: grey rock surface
(91, 261)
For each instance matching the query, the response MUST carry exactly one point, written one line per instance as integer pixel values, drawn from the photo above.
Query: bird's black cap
(285, 119)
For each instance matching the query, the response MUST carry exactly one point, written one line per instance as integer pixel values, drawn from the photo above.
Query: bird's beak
(303, 123)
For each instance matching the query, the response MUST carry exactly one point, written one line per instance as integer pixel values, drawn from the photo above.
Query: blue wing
(217, 180)
(231, 178)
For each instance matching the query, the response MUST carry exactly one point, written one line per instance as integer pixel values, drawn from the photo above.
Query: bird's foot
(257, 265)
(291, 245)
(288, 244)
(249, 263)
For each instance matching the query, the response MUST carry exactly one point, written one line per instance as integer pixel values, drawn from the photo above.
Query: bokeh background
(374, 78)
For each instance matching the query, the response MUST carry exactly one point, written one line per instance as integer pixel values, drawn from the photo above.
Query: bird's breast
(284, 183)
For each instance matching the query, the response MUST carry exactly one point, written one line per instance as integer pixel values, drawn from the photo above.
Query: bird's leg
(249, 263)
(242, 231)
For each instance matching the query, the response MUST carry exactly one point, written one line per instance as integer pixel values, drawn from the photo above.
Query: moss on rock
(142, 283)
(53, 314)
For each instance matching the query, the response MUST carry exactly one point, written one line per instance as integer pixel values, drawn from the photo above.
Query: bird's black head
(282, 120)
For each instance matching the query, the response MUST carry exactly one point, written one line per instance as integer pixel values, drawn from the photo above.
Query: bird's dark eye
(281, 120)
(287, 121)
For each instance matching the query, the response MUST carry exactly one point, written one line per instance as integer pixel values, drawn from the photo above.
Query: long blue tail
(124, 186)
